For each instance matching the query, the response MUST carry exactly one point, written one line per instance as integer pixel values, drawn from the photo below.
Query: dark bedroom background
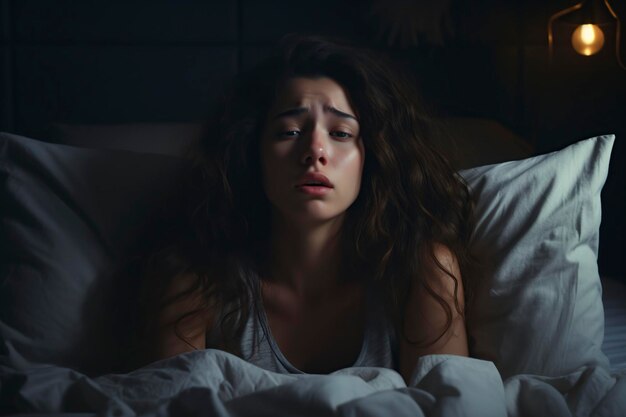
(112, 62)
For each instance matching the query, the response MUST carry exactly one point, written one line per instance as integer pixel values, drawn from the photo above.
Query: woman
(321, 229)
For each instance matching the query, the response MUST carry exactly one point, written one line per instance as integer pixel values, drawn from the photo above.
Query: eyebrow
(299, 110)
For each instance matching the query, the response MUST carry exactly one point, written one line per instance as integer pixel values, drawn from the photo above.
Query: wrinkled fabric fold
(215, 383)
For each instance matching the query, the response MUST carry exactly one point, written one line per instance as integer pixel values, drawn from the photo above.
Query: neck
(305, 258)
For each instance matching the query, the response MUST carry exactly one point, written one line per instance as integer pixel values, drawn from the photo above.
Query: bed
(545, 339)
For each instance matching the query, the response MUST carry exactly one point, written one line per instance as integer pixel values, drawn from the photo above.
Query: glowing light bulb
(587, 39)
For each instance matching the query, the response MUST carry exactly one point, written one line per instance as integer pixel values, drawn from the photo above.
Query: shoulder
(441, 269)
(436, 298)
(444, 255)
(185, 298)
(434, 316)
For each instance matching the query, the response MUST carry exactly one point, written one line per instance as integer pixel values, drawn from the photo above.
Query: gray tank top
(379, 346)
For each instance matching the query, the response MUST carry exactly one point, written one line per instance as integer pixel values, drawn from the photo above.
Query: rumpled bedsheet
(215, 383)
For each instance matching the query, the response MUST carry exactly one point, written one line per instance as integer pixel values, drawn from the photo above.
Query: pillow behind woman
(69, 219)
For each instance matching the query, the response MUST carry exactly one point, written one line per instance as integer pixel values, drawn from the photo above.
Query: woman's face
(311, 151)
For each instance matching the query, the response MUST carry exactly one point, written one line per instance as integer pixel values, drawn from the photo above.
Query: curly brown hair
(411, 199)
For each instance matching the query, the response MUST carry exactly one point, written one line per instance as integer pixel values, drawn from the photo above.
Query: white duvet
(216, 383)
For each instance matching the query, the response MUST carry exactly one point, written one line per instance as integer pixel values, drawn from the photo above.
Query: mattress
(614, 343)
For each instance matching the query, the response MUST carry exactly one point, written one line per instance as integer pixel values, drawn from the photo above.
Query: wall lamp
(588, 37)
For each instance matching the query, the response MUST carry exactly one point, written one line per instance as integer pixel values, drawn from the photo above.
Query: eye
(341, 135)
(288, 133)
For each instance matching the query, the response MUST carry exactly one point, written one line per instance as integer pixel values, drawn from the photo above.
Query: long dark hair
(410, 200)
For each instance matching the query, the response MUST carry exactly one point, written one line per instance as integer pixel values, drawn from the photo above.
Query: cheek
(273, 157)
(273, 152)
(352, 165)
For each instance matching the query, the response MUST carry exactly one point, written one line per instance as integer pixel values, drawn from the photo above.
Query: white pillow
(538, 308)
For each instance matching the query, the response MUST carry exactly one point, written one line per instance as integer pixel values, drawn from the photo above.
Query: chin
(312, 214)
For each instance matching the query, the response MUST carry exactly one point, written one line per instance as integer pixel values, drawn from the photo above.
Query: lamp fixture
(588, 37)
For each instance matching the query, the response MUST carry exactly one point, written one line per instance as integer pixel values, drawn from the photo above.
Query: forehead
(301, 90)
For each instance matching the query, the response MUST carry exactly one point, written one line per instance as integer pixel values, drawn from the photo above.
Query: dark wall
(116, 62)
(164, 61)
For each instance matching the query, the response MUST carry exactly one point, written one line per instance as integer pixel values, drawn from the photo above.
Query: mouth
(314, 189)
(314, 184)
(314, 180)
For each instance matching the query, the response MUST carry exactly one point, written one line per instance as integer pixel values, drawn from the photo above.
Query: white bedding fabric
(215, 383)
(538, 302)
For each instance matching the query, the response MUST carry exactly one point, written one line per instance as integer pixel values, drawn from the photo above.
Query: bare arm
(191, 329)
(425, 317)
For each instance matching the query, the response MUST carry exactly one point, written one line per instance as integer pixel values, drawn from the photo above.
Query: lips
(314, 179)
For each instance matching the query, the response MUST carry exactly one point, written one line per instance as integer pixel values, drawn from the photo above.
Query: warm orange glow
(587, 39)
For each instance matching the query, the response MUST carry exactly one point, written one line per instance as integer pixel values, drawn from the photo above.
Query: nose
(315, 148)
